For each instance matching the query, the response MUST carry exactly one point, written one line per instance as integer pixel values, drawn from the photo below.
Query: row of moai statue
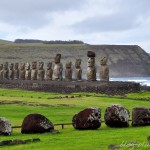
(25, 72)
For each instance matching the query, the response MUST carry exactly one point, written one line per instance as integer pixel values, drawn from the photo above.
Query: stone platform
(111, 87)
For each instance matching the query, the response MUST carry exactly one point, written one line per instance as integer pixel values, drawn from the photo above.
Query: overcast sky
(92, 21)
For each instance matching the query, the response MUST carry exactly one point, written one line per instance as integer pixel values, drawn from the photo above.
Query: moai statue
(49, 71)
(58, 68)
(68, 71)
(22, 71)
(78, 70)
(104, 70)
(91, 69)
(27, 71)
(11, 71)
(6, 71)
(16, 71)
(1, 72)
(34, 71)
(41, 71)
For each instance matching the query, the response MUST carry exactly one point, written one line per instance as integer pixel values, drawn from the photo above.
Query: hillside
(124, 60)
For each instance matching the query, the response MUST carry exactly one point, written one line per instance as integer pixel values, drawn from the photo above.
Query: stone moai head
(27, 66)
(34, 65)
(91, 59)
(16, 66)
(6, 66)
(41, 65)
(104, 61)
(49, 65)
(57, 58)
(1, 66)
(68, 65)
(78, 63)
(11, 67)
(22, 66)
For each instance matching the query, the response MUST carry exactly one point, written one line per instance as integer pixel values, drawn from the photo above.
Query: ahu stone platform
(111, 87)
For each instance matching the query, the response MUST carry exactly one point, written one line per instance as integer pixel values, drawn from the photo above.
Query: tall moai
(16, 71)
(104, 69)
(78, 70)
(11, 71)
(41, 71)
(58, 68)
(6, 71)
(68, 71)
(49, 71)
(1, 72)
(22, 71)
(91, 68)
(34, 71)
(27, 72)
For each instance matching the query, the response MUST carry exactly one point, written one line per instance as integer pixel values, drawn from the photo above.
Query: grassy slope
(61, 111)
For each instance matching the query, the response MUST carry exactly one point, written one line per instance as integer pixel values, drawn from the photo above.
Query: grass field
(16, 104)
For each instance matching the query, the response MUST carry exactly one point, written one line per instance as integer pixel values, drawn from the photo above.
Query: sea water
(141, 80)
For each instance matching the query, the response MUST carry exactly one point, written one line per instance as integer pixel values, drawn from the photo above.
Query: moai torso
(58, 68)
(49, 71)
(22, 71)
(68, 71)
(104, 70)
(16, 71)
(91, 69)
(41, 71)
(11, 71)
(34, 71)
(1, 72)
(6, 71)
(27, 71)
(78, 70)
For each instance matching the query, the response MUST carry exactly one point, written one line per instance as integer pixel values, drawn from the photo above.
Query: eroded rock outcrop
(89, 118)
(117, 116)
(141, 116)
(36, 123)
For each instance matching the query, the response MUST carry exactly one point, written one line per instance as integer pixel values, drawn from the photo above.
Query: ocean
(145, 81)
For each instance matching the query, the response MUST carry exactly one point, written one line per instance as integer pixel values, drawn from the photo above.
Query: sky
(124, 22)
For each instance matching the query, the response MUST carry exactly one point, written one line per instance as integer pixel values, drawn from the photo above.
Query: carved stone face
(103, 61)
(57, 58)
(6, 65)
(68, 64)
(22, 66)
(77, 63)
(91, 62)
(11, 66)
(34, 64)
(1, 66)
(49, 65)
(41, 64)
(16, 66)
(27, 66)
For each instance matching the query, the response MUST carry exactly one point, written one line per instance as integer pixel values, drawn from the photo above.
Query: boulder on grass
(140, 116)
(36, 123)
(89, 118)
(5, 127)
(117, 116)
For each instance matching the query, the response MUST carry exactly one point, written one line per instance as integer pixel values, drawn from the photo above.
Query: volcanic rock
(89, 118)
(140, 116)
(36, 123)
(117, 116)
(5, 127)
(90, 54)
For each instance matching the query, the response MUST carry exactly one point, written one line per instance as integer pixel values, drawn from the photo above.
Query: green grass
(16, 104)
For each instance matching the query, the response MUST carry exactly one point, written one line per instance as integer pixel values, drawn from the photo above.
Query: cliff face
(124, 60)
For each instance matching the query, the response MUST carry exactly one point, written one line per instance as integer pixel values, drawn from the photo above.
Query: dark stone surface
(140, 116)
(36, 123)
(89, 118)
(90, 54)
(5, 127)
(116, 116)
